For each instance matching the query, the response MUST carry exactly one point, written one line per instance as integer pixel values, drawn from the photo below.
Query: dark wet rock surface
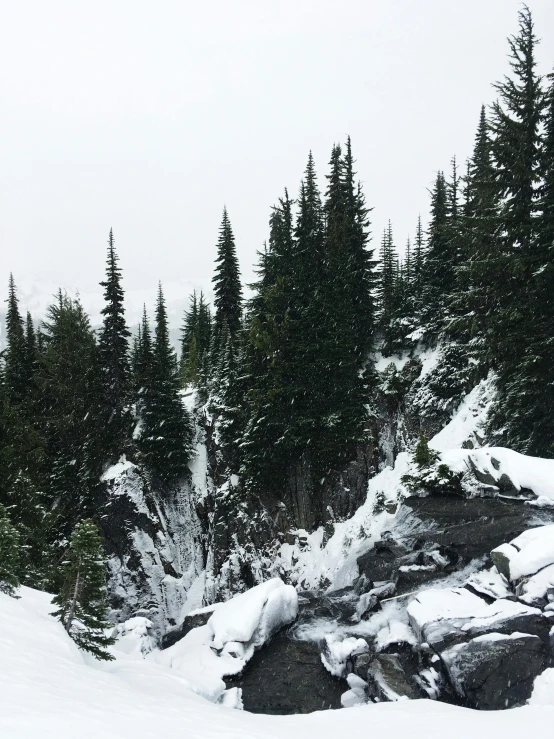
(286, 677)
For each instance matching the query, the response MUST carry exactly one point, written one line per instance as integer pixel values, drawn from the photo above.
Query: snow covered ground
(48, 689)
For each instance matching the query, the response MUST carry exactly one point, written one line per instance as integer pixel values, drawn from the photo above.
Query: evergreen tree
(520, 325)
(423, 456)
(82, 603)
(226, 281)
(166, 433)
(16, 369)
(418, 259)
(70, 392)
(113, 355)
(9, 555)
(438, 274)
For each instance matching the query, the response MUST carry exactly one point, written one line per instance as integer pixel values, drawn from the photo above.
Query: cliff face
(204, 539)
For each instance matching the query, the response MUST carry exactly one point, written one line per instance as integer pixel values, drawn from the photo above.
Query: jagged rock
(495, 671)
(387, 680)
(152, 539)
(190, 622)
(472, 528)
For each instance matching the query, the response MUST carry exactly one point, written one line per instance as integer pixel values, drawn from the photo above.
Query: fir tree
(166, 433)
(70, 398)
(423, 456)
(520, 324)
(16, 369)
(113, 355)
(226, 281)
(82, 603)
(9, 555)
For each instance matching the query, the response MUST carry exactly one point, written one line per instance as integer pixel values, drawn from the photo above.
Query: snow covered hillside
(50, 689)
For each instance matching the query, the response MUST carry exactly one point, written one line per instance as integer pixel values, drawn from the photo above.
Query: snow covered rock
(135, 636)
(337, 653)
(253, 617)
(225, 644)
(504, 470)
(441, 617)
(357, 695)
(526, 554)
(153, 545)
(495, 671)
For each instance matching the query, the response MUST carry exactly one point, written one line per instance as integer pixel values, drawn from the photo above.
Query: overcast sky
(148, 117)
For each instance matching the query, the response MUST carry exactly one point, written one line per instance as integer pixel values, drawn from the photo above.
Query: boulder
(387, 680)
(495, 671)
(443, 617)
(528, 554)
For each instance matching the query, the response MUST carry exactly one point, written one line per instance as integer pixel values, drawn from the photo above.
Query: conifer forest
(132, 467)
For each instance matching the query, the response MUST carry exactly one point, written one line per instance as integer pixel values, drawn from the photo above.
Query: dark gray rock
(387, 680)
(472, 528)
(496, 671)
(286, 677)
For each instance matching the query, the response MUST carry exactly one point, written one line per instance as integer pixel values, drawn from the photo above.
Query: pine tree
(519, 327)
(82, 603)
(9, 555)
(422, 456)
(16, 370)
(166, 433)
(419, 259)
(226, 281)
(113, 354)
(438, 275)
(70, 398)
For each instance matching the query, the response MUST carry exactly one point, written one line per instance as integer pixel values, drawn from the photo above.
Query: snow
(381, 362)
(336, 652)
(529, 552)
(531, 473)
(227, 642)
(52, 691)
(432, 612)
(253, 617)
(469, 418)
(117, 469)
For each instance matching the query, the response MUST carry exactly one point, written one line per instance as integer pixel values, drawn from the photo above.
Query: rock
(442, 617)
(191, 622)
(387, 680)
(495, 671)
(525, 555)
(286, 677)
(381, 563)
(471, 528)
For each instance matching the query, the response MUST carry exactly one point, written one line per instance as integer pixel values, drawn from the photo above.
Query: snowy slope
(50, 690)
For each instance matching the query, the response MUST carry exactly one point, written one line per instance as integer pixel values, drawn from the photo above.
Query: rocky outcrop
(152, 539)
(495, 671)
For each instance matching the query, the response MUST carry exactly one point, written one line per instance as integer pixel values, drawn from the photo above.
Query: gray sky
(149, 116)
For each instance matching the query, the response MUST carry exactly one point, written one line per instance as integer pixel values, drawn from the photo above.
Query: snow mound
(253, 617)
